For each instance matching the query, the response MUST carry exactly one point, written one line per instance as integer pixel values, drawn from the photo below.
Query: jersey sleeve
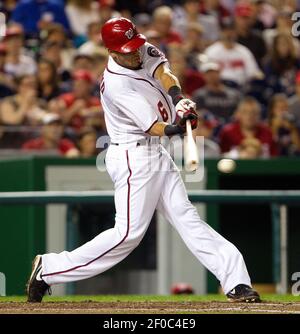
(136, 108)
(152, 58)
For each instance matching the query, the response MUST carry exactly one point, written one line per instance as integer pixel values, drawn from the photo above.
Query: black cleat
(243, 293)
(36, 287)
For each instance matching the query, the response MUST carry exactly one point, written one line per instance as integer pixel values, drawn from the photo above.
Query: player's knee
(230, 249)
(184, 208)
(130, 240)
(134, 238)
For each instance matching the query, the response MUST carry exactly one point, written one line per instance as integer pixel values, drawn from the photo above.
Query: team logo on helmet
(129, 33)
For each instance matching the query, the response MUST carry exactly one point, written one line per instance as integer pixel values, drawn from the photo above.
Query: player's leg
(136, 195)
(216, 253)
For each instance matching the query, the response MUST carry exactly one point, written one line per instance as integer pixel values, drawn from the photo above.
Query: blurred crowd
(238, 60)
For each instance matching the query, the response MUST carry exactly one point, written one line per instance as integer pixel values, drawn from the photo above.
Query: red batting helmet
(120, 35)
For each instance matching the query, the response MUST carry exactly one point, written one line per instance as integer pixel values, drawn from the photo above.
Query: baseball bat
(191, 157)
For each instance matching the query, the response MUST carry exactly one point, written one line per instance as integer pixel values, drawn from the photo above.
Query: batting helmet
(120, 35)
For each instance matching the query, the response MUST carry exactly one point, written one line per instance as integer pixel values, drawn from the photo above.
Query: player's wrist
(176, 129)
(176, 94)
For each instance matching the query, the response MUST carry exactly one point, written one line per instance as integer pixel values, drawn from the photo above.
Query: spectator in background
(247, 136)
(246, 35)
(80, 14)
(206, 128)
(7, 7)
(162, 23)
(189, 13)
(263, 14)
(89, 63)
(17, 63)
(81, 108)
(51, 138)
(294, 102)
(215, 97)
(107, 10)
(87, 143)
(238, 64)
(142, 22)
(189, 79)
(283, 25)
(24, 108)
(154, 38)
(6, 81)
(249, 148)
(229, 5)
(53, 51)
(93, 43)
(35, 15)
(21, 109)
(83, 61)
(131, 8)
(214, 8)
(283, 126)
(48, 83)
(55, 34)
(100, 61)
(193, 44)
(281, 67)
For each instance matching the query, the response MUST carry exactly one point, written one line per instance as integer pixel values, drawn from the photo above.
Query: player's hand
(186, 109)
(184, 106)
(192, 116)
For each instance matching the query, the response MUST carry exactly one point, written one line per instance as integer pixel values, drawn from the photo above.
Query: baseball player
(141, 98)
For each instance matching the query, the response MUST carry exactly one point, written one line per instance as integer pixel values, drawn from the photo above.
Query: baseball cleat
(243, 294)
(36, 287)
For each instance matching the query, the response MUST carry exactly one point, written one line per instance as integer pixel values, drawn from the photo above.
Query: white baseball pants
(143, 182)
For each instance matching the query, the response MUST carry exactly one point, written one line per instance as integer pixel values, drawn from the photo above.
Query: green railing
(203, 196)
(278, 201)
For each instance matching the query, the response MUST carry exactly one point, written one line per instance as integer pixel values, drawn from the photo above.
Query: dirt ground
(90, 307)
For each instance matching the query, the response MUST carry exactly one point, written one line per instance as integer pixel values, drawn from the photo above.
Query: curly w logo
(129, 33)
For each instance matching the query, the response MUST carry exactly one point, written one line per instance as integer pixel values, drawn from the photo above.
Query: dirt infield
(90, 307)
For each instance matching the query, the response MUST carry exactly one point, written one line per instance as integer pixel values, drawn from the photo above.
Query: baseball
(226, 165)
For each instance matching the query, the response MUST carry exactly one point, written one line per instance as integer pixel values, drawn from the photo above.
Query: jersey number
(163, 111)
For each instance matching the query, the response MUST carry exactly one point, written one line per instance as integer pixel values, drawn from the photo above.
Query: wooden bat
(191, 157)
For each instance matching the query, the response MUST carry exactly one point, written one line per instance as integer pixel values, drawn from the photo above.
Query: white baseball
(226, 165)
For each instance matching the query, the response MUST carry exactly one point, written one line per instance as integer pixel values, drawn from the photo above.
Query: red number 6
(163, 111)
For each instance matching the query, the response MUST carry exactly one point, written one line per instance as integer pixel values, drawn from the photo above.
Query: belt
(141, 142)
(117, 144)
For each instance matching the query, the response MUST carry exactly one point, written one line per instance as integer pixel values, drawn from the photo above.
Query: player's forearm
(157, 129)
(169, 82)
(164, 129)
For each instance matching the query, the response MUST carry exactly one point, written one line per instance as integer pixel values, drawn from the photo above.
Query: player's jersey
(133, 100)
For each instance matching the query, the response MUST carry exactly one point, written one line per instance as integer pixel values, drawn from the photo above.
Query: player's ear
(113, 54)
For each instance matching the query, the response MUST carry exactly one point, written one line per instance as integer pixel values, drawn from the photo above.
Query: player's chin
(135, 66)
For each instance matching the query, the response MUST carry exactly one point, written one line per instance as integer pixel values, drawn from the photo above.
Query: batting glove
(184, 106)
(186, 109)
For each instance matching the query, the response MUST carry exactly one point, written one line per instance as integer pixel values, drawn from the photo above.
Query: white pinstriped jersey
(133, 100)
